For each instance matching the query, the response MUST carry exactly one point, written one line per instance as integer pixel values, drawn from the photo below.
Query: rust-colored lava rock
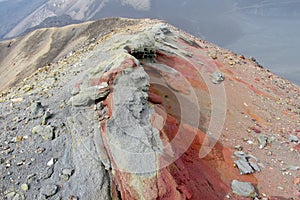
(171, 129)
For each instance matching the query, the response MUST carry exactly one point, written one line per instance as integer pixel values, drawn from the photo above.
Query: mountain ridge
(63, 41)
(193, 120)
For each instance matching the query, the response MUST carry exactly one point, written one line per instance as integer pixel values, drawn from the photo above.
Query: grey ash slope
(51, 155)
(21, 56)
(27, 156)
(48, 148)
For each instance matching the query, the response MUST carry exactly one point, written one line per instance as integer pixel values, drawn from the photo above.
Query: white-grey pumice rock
(243, 189)
(139, 142)
(46, 132)
(88, 96)
(293, 138)
(217, 77)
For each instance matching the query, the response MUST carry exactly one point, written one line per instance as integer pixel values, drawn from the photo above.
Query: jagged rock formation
(149, 112)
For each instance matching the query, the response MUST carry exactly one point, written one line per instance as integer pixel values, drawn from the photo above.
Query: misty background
(268, 30)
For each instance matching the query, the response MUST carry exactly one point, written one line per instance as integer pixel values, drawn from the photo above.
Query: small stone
(19, 138)
(46, 132)
(22, 162)
(238, 147)
(27, 88)
(67, 173)
(263, 141)
(17, 100)
(240, 154)
(294, 168)
(30, 177)
(217, 77)
(25, 187)
(243, 189)
(254, 166)
(297, 147)
(231, 62)
(7, 164)
(10, 195)
(213, 55)
(247, 163)
(256, 129)
(49, 190)
(46, 116)
(263, 194)
(250, 142)
(51, 162)
(40, 150)
(47, 173)
(296, 181)
(37, 109)
(72, 197)
(293, 138)
(244, 166)
(280, 188)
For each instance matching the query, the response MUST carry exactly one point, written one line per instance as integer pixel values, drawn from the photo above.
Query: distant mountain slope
(270, 8)
(55, 21)
(76, 9)
(13, 12)
(21, 56)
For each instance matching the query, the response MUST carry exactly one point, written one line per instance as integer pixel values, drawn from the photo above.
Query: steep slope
(151, 112)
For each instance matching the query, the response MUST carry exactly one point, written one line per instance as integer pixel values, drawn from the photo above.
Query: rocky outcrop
(150, 112)
(153, 149)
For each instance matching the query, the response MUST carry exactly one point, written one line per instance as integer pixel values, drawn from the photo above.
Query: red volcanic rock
(256, 129)
(176, 82)
(297, 181)
(297, 148)
(154, 98)
(111, 74)
(163, 101)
